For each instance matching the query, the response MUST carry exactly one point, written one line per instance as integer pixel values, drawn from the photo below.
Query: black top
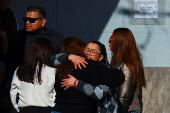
(23, 41)
(9, 24)
(2, 56)
(73, 101)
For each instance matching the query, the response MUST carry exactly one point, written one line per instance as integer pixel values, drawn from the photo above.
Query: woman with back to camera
(32, 87)
(127, 57)
(96, 51)
(95, 73)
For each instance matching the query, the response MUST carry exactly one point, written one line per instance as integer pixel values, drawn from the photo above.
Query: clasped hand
(68, 82)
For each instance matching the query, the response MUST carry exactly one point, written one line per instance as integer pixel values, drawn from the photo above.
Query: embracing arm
(59, 58)
(4, 43)
(64, 57)
(111, 77)
(95, 92)
(125, 91)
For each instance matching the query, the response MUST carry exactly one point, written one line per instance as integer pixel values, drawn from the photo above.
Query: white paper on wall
(146, 8)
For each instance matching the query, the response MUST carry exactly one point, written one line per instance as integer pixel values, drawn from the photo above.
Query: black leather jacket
(126, 90)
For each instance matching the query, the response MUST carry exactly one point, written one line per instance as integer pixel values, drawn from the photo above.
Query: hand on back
(78, 61)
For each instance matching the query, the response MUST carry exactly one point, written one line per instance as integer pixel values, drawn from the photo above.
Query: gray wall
(96, 20)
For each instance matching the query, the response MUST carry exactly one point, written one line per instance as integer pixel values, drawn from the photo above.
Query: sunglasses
(31, 20)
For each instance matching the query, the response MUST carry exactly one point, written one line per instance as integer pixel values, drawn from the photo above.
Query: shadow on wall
(84, 17)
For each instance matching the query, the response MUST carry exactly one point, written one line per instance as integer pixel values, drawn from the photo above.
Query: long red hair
(125, 50)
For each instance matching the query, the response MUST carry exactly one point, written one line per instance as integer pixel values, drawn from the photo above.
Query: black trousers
(36, 110)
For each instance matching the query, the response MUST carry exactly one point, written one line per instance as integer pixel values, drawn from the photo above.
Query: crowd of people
(41, 71)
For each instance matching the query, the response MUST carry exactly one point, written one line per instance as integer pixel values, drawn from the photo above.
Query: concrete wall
(156, 97)
(96, 20)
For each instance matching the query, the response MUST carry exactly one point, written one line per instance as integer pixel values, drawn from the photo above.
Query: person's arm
(59, 58)
(105, 75)
(102, 74)
(95, 92)
(14, 91)
(108, 76)
(64, 57)
(4, 94)
(125, 91)
(11, 21)
(4, 44)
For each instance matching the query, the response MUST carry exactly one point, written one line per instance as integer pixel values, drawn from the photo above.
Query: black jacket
(24, 40)
(95, 73)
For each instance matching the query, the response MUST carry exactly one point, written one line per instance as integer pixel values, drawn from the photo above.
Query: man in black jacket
(34, 21)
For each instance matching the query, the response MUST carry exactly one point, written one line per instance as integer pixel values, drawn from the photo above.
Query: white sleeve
(14, 90)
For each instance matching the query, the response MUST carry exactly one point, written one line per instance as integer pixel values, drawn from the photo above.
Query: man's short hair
(38, 9)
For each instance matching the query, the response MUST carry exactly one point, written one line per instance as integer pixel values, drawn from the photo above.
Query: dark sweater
(73, 101)
(9, 24)
(24, 40)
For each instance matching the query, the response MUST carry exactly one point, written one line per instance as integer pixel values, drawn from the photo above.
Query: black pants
(36, 110)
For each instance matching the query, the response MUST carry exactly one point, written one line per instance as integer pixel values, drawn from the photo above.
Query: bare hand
(68, 82)
(77, 60)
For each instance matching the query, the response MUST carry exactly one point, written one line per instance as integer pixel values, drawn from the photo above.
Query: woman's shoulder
(48, 70)
(95, 64)
(92, 62)
(122, 66)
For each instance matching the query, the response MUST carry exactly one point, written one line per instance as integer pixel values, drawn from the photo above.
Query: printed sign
(146, 8)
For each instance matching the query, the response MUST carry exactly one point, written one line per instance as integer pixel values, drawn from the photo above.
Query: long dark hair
(39, 53)
(71, 45)
(125, 50)
(102, 50)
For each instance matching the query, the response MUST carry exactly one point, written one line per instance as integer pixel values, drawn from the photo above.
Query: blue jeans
(136, 111)
(55, 112)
